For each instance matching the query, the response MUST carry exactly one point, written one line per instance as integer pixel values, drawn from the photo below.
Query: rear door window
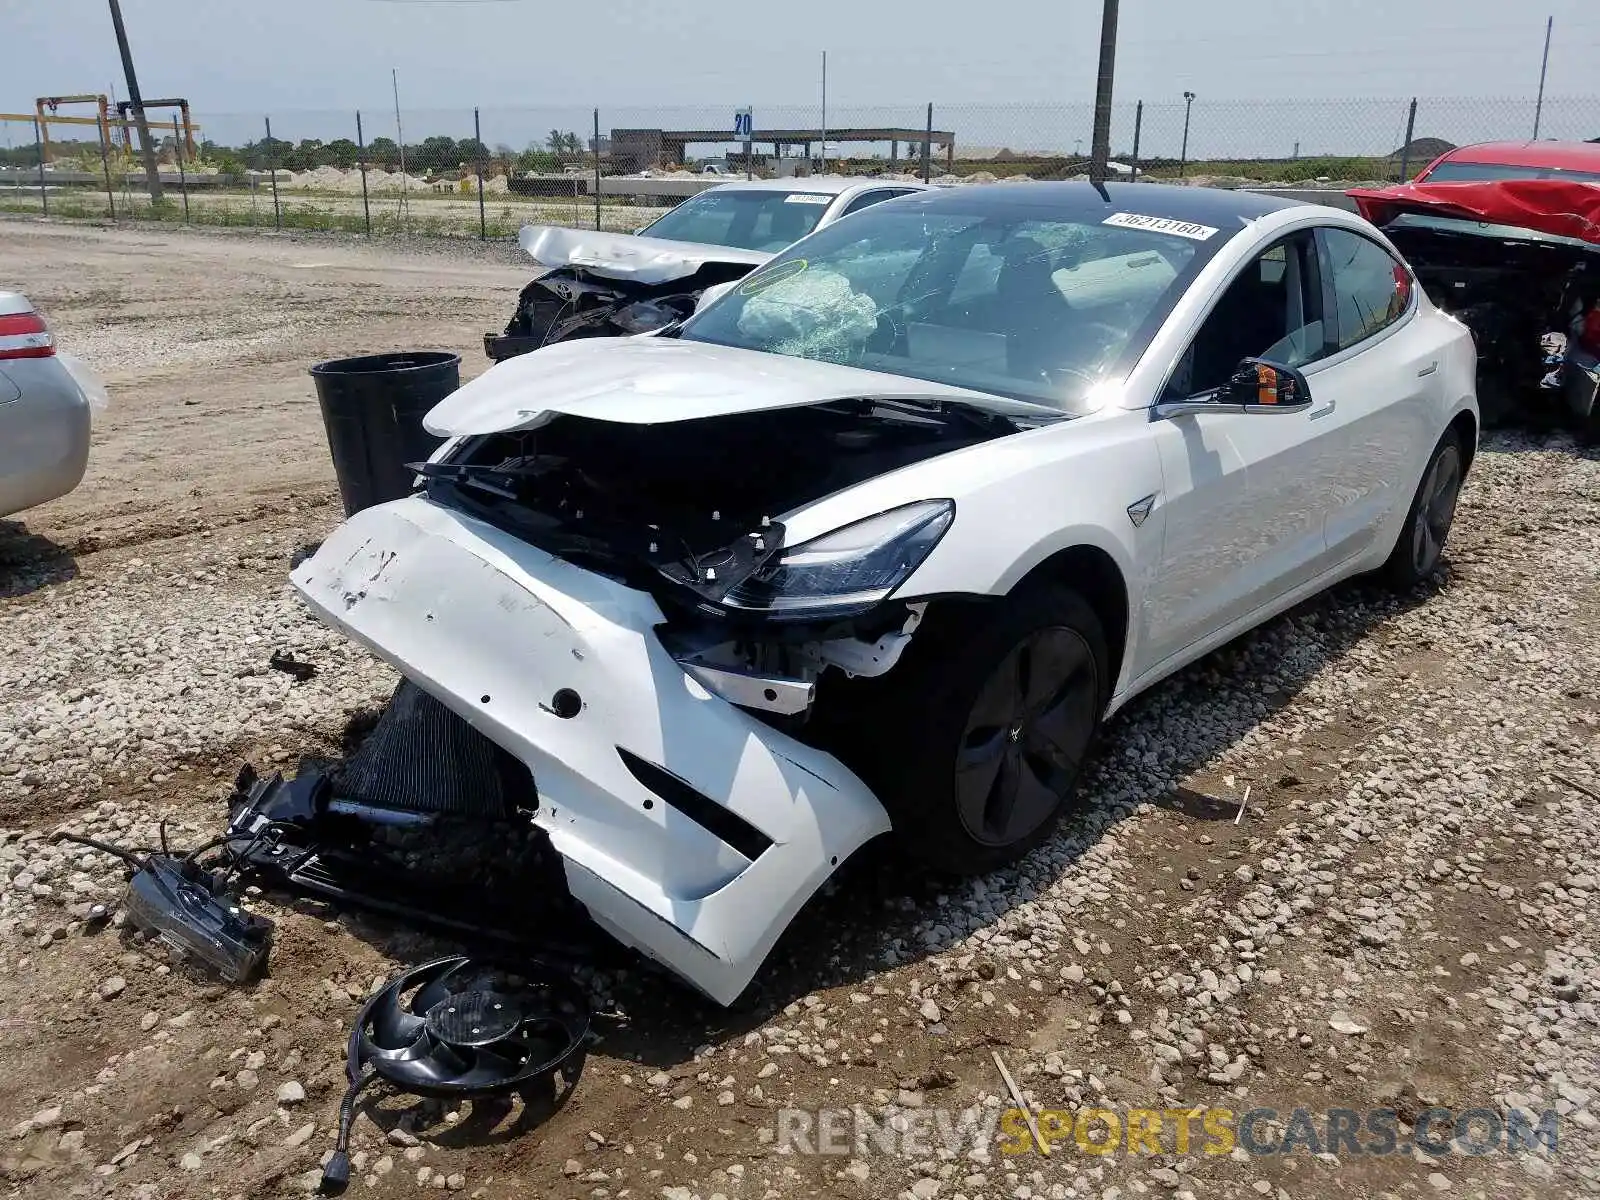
(1371, 288)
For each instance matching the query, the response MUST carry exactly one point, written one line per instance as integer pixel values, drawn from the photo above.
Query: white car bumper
(561, 667)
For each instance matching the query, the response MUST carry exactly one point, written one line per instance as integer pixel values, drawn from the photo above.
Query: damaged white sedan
(878, 538)
(598, 284)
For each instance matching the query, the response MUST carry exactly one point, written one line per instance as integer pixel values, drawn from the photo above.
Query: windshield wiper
(965, 412)
(500, 480)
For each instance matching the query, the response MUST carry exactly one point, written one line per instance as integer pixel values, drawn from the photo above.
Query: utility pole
(824, 112)
(152, 171)
(1183, 155)
(1544, 66)
(1100, 148)
(400, 136)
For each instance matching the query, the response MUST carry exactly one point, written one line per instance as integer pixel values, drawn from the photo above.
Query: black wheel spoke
(1061, 733)
(1000, 804)
(977, 765)
(1436, 510)
(1038, 793)
(1059, 657)
(1442, 509)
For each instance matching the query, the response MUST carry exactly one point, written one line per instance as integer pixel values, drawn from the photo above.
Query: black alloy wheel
(1026, 736)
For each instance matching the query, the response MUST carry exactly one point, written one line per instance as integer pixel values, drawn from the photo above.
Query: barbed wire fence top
(485, 172)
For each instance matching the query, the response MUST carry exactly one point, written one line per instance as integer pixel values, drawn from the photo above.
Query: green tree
(557, 141)
(438, 154)
(341, 152)
(537, 162)
(385, 152)
(267, 152)
(304, 156)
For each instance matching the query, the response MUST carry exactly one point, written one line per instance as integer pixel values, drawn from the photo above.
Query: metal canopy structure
(635, 148)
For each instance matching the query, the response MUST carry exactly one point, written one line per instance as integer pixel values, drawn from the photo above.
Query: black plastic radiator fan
(460, 1027)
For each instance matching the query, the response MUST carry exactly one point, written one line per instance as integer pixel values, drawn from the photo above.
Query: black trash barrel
(372, 408)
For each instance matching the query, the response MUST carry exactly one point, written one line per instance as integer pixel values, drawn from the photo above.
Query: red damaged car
(1506, 236)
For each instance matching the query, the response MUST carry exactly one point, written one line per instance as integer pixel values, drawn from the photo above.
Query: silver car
(46, 405)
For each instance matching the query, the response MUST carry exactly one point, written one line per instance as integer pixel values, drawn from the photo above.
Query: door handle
(1429, 369)
(1323, 411)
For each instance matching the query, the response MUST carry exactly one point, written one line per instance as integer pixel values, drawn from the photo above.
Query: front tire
(1420, 548)
(981, 744)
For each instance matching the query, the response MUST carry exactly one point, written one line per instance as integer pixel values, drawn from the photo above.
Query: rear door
(1245, 493)
(1375, 391)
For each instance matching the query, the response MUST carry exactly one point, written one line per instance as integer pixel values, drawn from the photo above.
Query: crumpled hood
(625, 256)
(1558, 207)
(648, 380)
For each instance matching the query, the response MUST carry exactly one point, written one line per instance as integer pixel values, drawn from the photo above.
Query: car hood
(625, 256)
(648, 380)
(1559, 208)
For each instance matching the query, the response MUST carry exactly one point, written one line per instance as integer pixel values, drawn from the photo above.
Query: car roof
(1549, 155)
(1200, 205)
(832, 185)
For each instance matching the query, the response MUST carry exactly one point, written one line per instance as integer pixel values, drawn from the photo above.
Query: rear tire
(1420, 548)
(977, 740)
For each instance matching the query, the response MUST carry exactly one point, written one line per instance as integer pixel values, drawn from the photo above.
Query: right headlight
(848, 570)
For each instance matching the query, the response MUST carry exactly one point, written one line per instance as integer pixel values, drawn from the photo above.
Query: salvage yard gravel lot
(1407, 915)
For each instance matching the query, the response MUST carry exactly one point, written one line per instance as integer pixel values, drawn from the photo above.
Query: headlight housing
(847, 571)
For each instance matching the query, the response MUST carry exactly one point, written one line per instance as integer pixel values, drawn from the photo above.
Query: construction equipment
(102, 120)
(124, 107)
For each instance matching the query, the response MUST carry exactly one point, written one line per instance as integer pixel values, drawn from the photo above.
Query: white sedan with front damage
(877, 539)
(597, 284)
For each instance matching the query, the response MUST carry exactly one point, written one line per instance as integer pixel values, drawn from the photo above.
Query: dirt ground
(1402, 917)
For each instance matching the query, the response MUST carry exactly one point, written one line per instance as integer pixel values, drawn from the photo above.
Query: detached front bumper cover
(687, 828)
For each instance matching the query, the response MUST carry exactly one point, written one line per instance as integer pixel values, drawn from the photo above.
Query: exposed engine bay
(689, 512)
(1533, 305)
(1518, 262)
(572, 302)
(610, 285)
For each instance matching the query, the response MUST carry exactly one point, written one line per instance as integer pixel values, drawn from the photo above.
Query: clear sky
(230, 56)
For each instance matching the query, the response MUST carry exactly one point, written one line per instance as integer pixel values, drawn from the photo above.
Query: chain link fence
(486, 172)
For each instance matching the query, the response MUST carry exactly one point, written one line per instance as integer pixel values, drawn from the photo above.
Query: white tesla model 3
(881, 535)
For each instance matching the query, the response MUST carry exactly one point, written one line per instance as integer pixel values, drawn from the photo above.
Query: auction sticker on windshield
(807, 198)
(1183, 229)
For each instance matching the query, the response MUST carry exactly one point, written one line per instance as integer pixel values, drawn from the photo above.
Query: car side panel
(1381, 401)
(44, 434)
(1247, 493)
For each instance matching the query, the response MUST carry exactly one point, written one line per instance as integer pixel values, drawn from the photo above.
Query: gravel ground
(1404, 916)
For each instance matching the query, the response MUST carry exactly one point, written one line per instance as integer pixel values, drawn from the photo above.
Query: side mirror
(1261, 386)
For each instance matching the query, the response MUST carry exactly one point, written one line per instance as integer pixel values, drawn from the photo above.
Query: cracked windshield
(1031, 309)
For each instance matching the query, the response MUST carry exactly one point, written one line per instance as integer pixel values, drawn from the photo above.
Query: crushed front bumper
(688, 829)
